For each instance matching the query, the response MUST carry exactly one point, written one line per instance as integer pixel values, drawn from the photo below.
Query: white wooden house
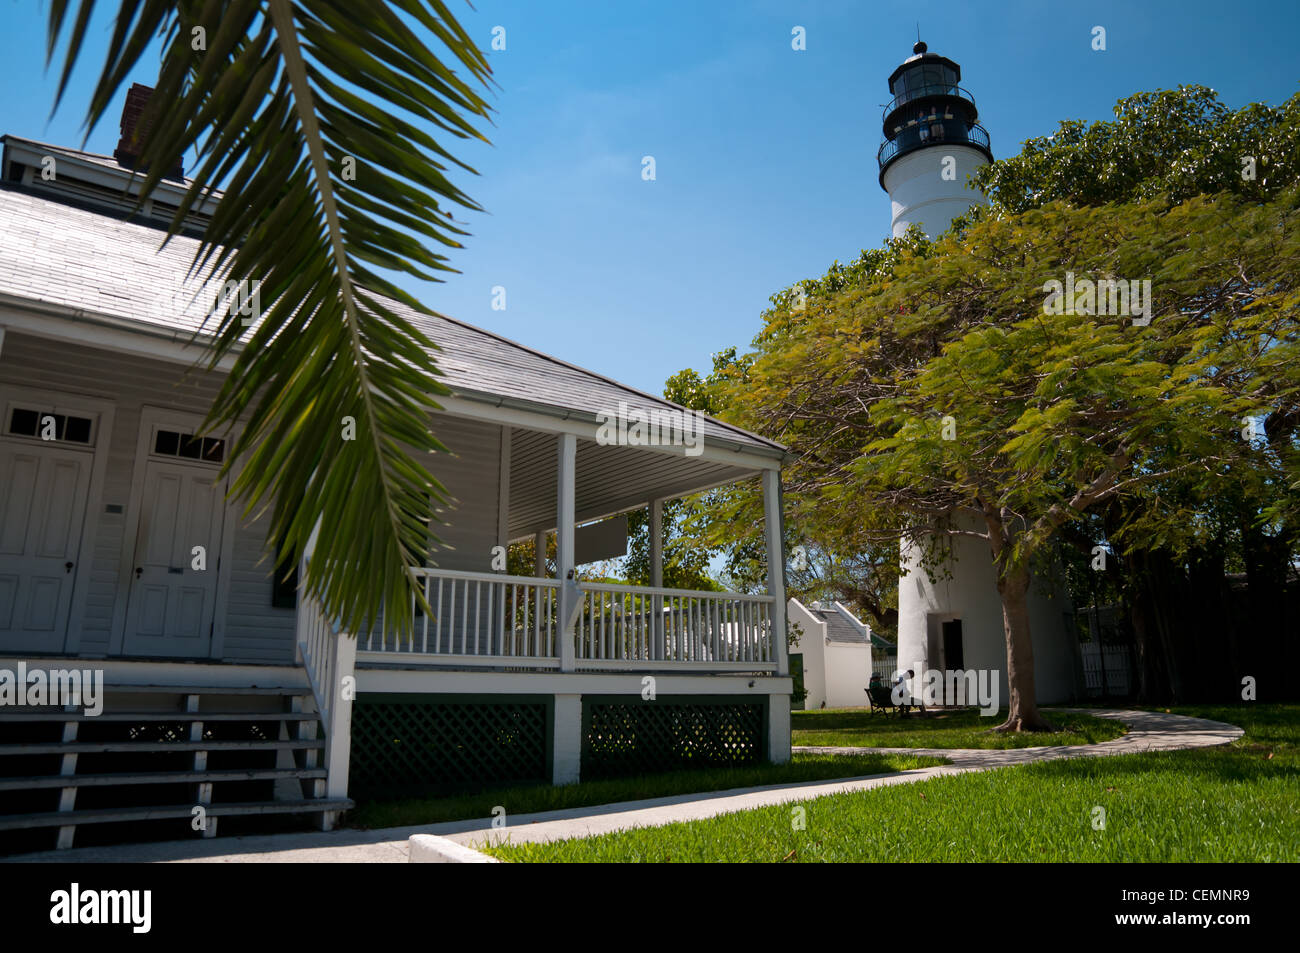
(227, 691)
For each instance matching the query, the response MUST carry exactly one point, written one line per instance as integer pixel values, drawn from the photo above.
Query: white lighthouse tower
(950, 616)
(933, 141)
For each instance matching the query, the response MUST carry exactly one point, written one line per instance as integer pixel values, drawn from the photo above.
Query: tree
(1177, 143)
(315, 117)
(952, 382)
(1183, 614)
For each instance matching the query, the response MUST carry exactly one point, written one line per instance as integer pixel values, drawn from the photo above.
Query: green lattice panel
(633, 737)
(408, 748)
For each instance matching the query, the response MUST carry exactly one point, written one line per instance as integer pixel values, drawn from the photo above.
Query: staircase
(161, 762)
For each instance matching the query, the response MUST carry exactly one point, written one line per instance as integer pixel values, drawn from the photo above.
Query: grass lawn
(1234, 803)
(963, 728)
(526, 800)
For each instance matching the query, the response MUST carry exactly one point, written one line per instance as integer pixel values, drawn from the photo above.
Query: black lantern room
(928, 109)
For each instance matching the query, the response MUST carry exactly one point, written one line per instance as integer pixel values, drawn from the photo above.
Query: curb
(430, 849)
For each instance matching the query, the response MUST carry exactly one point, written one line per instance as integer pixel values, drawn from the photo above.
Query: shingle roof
(838, 628)
(60, 253)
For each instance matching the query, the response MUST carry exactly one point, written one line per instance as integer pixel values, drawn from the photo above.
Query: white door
(42, 504)
(170, 605)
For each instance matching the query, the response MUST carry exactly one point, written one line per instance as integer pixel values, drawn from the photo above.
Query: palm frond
(281, 100)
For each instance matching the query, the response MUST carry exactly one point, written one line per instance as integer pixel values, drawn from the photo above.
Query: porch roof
(609, 479)
(94, 265)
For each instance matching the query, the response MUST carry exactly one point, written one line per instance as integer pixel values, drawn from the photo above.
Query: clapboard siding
(130, 382)
(470, 475)
(254, 630)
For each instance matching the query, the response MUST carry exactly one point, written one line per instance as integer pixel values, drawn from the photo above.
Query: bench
(882, 699)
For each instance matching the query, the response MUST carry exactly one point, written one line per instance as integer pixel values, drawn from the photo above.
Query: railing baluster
(451, 617)
(437, 621)
(747, 609)
(424, 629)
(700, 611)
(550, 638)
(478, 611)
(718, 653)
(620, 630)
(491, 631)
(464, 620)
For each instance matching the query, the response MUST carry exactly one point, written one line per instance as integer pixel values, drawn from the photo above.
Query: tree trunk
(1013, 587)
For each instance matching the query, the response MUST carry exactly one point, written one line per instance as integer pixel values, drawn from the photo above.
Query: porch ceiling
(610, 479)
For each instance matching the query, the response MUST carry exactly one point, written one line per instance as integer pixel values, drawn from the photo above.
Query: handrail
(975, 135)
(437, 573)
(932, 89)
(660, 591)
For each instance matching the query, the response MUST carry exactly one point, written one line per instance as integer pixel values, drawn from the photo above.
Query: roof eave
(769, 450)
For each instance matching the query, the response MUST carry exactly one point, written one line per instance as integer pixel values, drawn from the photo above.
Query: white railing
(479, 618)
(491, 619)
(646, 627)
(329, 658)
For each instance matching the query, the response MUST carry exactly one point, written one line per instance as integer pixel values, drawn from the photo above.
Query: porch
(588, 655)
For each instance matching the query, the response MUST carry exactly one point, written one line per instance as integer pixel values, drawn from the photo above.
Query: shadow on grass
(1205, 764)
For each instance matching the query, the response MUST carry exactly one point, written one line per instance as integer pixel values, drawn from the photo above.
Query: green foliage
(685, 565)
(1053, 413)
(1180, 143)
(266, 104)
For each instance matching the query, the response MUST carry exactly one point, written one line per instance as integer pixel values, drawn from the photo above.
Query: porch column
(566, 740)
(566, 482)
(503, 540)
(657, 574)
(773, 524)
(778, 729)
(539, 554)
(503, 490)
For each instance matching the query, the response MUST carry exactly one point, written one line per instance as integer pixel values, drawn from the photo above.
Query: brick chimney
(135, 126)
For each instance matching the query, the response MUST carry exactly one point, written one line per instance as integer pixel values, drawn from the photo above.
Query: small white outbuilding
(835, 648)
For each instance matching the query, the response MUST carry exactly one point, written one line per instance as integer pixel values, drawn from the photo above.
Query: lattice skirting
(413, 745)
(622, 736)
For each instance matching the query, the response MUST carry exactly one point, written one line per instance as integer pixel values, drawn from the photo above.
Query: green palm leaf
(282, 99)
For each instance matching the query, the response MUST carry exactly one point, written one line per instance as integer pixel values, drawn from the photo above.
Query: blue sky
(765, 157)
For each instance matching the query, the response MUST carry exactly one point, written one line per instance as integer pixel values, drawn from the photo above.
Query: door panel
(170, 606)
(43, 494)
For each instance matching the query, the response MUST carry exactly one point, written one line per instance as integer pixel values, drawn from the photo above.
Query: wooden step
(210, 689)
(46, 715)
(156, 777)
(163, 812)
(98, 747)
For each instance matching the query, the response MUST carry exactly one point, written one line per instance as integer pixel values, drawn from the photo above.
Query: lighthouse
(950, 615)
(933, 142)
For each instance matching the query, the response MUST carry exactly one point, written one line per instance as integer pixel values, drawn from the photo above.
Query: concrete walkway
(1149, 731)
